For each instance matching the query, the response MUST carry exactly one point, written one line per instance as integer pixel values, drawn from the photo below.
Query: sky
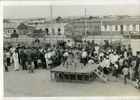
(69, 10)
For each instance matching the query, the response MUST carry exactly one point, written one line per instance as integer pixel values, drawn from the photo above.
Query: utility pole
(85, 25)
(51, 28)
(110, 33)
(101, 31)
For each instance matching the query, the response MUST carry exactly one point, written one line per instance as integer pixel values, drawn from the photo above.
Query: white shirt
(116, 66)
(106, 63)
(115, 58)
(96, 49)
(125, 55)
(7, 54)
(12, 50)
(65, 54)
(69, 44)
(48, 55)
(15, 55)
(84, 54)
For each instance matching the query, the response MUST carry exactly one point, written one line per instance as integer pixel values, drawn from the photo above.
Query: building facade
(117, 27)
(59, 29)
(92, 27)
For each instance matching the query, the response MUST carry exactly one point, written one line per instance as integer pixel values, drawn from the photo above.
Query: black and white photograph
(71, 50)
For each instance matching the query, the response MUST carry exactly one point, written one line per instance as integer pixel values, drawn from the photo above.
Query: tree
(14, 34)
(58, 19)
(90, 17)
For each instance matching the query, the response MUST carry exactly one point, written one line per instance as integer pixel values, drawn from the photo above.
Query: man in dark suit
(23, 60)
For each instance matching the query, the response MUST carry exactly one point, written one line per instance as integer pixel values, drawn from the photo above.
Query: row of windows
(91, 28)
(127, 27)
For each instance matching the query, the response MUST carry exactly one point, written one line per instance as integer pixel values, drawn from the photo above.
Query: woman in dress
(15, 58)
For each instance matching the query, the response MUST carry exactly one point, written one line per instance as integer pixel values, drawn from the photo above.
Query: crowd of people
(115, 60)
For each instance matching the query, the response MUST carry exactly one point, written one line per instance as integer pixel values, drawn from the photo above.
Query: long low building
(107, 27)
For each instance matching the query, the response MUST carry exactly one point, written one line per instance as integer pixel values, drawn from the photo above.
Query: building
(23, 29)
(8, 28)
(20, 28)
(107, 27)
(59, 29)
(93, 27)
(117, 27)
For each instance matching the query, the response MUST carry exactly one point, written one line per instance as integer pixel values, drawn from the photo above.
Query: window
(116, 27)
(127, 27)
(97, 28)
(134, 27)
(76, 28)
(105, 27)
(47, 31)
(53, 31)
(59, 31)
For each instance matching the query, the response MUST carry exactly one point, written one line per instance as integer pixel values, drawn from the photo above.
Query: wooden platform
(64, 74)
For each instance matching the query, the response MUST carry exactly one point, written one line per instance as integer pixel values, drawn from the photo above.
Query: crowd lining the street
(115, 60)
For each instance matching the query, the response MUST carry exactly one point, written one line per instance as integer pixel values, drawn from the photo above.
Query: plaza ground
(38, 84)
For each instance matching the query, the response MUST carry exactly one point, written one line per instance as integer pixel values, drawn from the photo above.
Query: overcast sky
(67, 10)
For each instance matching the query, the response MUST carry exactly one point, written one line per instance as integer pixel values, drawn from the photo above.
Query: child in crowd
(76, 60)
(30, 67)
(114, 72)
(125, 73)
(96, 58)
(91, 61)
(137, 84)
(5, 66)
(69, 61)
(120, 65)
(116, 67)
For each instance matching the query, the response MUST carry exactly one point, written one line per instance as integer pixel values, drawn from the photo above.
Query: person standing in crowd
(12, 50)
(15, 58)
(129, 50)
(48, 59)
(132, 68)
(137, 65)
(5, 61)
(96, 49)
(116, 67)
(122, 50)
(118, 48)
(121, 60)
(65, 56)
(23, 60)
(84, 57)
(34, 54)
(125, 73)
(114, 72)
(29, 56)
(69, 44)
(39, 62)
(43, 59)
(7, 54)
(106, 65)
(125, 54)
(139, 71)
(18, 48)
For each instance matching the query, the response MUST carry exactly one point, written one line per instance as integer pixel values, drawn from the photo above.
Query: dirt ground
(38, 84)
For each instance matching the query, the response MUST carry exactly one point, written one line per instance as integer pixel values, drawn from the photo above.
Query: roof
(75, 33)
(58, 24)
(10, 25)
(94, 20)
(121, 22)
(54, 25)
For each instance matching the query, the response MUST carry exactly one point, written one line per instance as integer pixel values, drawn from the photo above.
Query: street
(38, 84)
